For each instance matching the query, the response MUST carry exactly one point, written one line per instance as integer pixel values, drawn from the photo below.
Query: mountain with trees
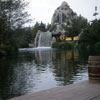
(66, 21)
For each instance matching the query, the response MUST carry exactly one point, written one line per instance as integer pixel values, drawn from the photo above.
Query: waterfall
(44, 39)
(60, 17)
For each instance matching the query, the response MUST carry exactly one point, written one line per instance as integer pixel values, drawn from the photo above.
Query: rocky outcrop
(63, 15)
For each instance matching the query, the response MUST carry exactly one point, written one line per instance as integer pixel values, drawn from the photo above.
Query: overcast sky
(42, 10)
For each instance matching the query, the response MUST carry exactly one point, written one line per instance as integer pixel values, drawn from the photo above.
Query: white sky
(42, 10)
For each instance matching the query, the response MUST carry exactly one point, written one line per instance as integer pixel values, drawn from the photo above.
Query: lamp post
(95, 13)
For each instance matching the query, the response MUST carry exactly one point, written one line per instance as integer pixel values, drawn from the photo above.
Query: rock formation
(62, 18)
(63, 15)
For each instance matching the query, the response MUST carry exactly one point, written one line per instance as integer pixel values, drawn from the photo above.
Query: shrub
(62, 45)
(7, 49)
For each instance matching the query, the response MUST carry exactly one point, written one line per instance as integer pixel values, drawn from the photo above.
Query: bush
(83, 45)
(91, 34)
(97, 46)
(7, 49)
(90, 48)
(62, 45)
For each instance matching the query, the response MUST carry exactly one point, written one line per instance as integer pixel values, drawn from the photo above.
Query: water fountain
(43, 39)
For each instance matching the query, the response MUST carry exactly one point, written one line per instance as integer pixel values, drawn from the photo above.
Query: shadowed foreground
(78, 91)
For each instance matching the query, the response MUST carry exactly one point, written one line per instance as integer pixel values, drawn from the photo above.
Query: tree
(48, 27)
(42, 27)
(35, 29)
(83, 23)
(12, 16)
(74, 30)
(14, 12)
(24, 36)
(77, 26)
(91, 34)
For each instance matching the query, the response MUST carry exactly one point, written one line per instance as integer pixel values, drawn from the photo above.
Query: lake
(34, 70)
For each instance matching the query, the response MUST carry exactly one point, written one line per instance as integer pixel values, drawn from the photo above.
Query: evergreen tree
(74, 30)
(48, 27)
(35, 29)
(42, 27)
(91, 34)
(77, 26)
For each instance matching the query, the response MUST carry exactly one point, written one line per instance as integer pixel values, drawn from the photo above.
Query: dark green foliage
(74, 30)
(48, 27)
(91, 34)
(35, 29)
(58, 40)
(83, 23)
(53, 28)
(90, 38)
(23, 37)
(62, 45)
(12, 16)
(8, 49)
(42, 27)
(97, 47)
(26, 36)
(38, 26)
(77, 26)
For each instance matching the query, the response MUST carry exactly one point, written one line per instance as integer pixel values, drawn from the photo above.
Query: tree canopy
(12, 16)
(77, 26)
(91, 34)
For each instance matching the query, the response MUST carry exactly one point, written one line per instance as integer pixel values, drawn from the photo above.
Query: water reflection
(39, 69)
(43, 56)
(68, 68)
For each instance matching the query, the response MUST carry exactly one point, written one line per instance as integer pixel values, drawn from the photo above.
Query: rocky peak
(63, 14)
(64, 4)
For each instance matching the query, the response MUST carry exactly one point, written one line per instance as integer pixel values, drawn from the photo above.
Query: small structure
(76, 38)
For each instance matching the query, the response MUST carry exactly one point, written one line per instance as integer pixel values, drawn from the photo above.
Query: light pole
(95, 13)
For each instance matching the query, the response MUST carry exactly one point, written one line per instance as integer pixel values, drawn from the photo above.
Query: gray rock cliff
(63, 15)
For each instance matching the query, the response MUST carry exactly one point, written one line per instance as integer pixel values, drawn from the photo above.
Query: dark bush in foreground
(6, 50)
(93, 49)
(62, 45)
